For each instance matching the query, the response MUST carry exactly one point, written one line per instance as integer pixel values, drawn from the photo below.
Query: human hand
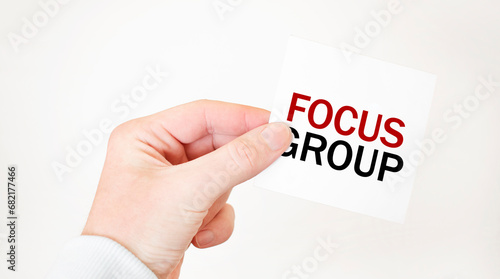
(167, 177)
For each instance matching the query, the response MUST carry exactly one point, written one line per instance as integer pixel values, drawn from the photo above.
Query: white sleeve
(98, 257)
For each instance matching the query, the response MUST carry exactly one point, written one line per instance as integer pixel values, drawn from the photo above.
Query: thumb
(237, 161)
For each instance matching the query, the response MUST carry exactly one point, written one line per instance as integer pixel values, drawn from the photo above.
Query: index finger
(195, 120)
(202, 126)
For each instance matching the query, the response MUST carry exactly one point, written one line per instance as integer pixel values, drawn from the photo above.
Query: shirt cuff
(98, 257)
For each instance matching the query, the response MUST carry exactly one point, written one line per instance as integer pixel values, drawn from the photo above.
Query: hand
(167, 177)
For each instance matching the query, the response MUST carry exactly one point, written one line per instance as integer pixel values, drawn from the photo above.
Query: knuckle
(194, 218)
(118, 130)
(123, 129)
(201, 102)
(244, 153)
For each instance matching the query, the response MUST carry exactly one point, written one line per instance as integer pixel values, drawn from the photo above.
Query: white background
(64, 80)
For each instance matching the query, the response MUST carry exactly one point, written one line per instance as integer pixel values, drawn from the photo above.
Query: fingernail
(205, 237)
(276, 135)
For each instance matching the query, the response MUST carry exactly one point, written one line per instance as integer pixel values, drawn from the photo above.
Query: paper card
(356, 123)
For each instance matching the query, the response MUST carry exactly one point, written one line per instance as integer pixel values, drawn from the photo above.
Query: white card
(334, 105)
